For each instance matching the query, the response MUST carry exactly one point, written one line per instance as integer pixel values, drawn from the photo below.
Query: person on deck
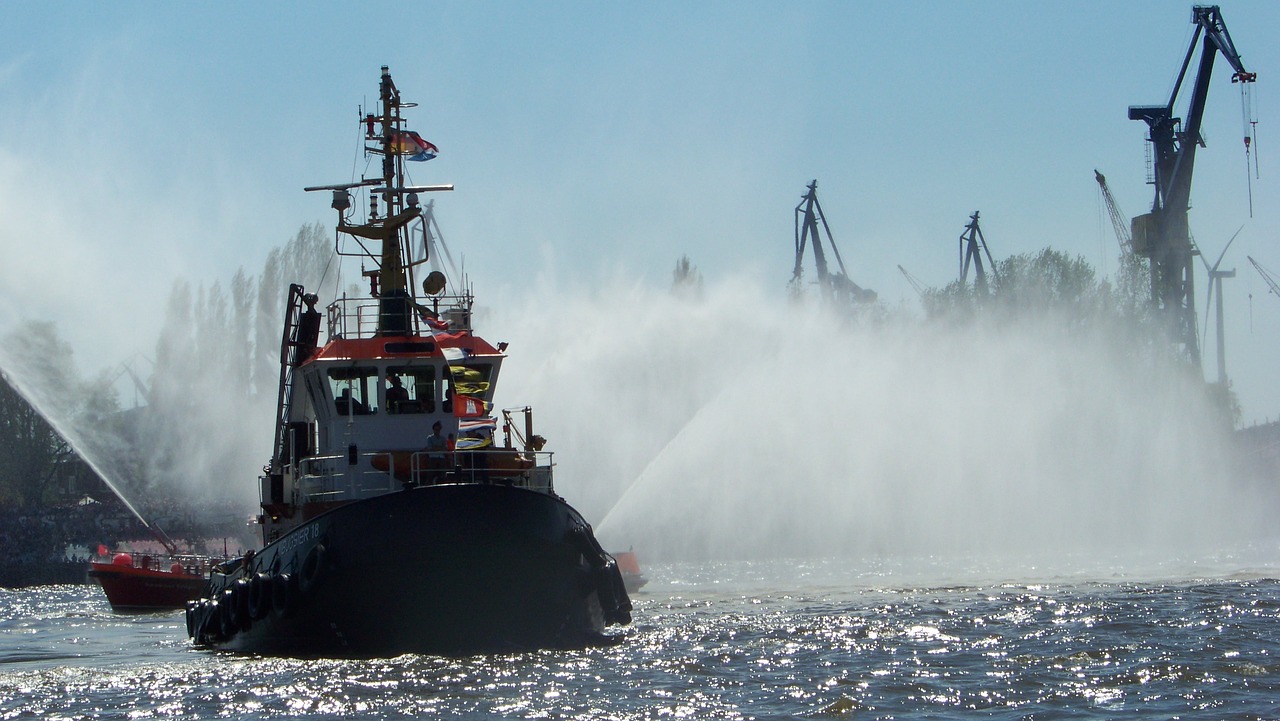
(347, 405)
(437, 456)
(396, 394)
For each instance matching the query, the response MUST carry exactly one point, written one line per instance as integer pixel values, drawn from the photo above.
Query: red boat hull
(139, 589)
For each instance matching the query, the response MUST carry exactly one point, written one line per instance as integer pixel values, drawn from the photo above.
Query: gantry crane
(971, 241)
(1163, 235)
(834, 287)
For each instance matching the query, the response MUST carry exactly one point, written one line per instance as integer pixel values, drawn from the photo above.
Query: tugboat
(392, 520)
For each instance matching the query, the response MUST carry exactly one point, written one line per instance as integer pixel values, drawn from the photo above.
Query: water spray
(70, 435)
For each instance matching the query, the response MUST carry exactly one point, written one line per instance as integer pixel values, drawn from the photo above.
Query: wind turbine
(1215, 295)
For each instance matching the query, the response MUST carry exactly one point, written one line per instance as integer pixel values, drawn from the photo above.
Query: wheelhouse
(369, 413)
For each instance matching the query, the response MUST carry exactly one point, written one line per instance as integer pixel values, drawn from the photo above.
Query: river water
(778, 639)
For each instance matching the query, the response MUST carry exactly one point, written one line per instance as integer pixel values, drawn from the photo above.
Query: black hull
(452, 569)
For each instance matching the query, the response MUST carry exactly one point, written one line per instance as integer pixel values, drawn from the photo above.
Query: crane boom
(1118, 221)
(1271, 282)
(915, 284)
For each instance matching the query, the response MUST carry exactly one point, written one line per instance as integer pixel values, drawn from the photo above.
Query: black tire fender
(227, 621)
(260, 596)
(313, 568)
(284, 595)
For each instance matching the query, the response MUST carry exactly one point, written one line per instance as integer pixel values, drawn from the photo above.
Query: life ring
(312, 568)
(284, 596)
(260, 596)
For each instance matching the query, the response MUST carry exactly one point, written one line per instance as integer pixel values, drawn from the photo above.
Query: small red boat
(150, 583)
(630, 568)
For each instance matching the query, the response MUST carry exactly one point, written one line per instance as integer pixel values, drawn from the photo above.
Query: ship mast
(393, 270)
(395, 301)
(394, 288)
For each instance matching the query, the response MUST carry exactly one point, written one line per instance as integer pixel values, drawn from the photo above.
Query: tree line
(216, 367)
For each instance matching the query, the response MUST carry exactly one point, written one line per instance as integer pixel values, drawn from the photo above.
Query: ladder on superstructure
(289, 344)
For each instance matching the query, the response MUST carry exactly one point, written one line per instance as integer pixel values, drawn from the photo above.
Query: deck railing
(323, 478)
(357, 317)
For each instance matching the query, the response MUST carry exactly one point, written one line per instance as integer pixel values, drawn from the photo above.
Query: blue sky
(145, 141)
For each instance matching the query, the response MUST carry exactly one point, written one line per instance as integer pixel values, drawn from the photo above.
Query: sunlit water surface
(745, 640)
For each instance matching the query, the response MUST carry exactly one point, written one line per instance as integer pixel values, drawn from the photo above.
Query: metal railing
(353, 318)
(358, 317)
(321, 478)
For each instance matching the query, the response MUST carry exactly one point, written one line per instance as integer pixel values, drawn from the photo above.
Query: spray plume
(49, 393)
(739, 427)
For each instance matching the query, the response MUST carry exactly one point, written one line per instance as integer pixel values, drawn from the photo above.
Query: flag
(452, 355)
(432, 320)
(467, 388)
(472, 444)
(469, 406)
(473, 425)
(475, 433)
(412, 146)
(468, 381)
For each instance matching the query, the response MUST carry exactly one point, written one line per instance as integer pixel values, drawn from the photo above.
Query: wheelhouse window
(354, 390)
(411, 389)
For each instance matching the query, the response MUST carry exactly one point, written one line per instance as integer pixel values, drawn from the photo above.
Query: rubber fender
(260, 596)
(313, 568)
(284, 595)
(207, 628)
(604, 593)
(622, 610)
(585, 576)
(240, 594)
(586, 544)
(191, 618)
(227, 622)
(612, 594)
(201, 625)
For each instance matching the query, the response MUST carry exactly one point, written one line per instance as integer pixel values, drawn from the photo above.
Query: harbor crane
(833, 287)
(971, 241)
(915, 282)
(1163, 235)
(1271, 282)
(1118, 220)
